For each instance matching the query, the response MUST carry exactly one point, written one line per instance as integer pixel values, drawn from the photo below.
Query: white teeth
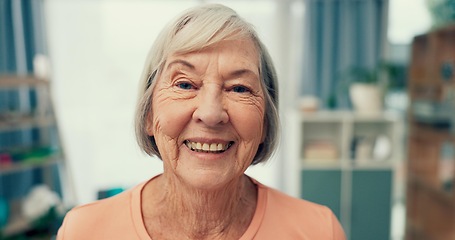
(205, 147)
(213, 147)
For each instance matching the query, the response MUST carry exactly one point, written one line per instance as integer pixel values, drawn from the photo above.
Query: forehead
(231, 53)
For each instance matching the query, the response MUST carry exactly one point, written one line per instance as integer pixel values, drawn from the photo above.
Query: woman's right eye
(185, 85)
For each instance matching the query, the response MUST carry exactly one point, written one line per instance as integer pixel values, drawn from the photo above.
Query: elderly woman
(208, 109)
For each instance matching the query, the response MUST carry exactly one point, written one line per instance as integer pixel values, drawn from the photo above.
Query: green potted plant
(442, 12)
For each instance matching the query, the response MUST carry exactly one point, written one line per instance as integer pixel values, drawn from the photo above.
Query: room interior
(366, 108)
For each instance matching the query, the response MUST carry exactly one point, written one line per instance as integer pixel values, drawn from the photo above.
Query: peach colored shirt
(277, 216)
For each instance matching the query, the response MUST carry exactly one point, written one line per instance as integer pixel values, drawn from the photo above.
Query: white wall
(97, 50)
(407, 18)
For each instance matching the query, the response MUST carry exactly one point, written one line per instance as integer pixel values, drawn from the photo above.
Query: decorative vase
(366, 98)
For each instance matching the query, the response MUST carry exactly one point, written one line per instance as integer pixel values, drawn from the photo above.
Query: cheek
(169, 116)
(248, 120)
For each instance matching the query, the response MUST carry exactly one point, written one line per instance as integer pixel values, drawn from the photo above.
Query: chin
(208, 179)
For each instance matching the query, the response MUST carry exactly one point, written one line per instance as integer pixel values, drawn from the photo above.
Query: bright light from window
(407, 18)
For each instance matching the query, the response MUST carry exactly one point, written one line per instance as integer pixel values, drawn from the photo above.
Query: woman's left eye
(241, 89)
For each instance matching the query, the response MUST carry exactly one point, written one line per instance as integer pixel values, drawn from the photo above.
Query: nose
(211, 107)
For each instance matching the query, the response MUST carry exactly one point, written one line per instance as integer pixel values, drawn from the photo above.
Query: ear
(149, 124)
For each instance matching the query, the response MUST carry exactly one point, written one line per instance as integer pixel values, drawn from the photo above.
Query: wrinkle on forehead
(244, 47)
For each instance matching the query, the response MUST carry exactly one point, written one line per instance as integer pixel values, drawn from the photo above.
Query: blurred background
(367, 108)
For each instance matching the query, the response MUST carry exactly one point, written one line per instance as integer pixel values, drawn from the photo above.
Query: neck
(200, 213)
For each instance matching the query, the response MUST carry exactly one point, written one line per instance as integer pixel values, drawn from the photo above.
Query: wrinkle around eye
(254, 99)
(249, 92)
(174, 93)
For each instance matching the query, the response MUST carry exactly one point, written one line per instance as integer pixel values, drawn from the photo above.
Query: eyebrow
(242, 72)
(181, 62)
(233, 74)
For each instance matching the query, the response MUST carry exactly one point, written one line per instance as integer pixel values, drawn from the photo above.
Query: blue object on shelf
(109, 192)
(4, 212)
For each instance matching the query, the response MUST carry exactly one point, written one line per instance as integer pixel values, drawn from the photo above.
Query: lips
(208, 147)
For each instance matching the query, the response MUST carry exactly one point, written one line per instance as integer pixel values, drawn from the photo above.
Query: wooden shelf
(438, 193)
(16, 167)
(373, 164)
(413, 230)
(12, 81)
(14, 123)
(430, 208)
(320, 164)
(335, 116)
(347, 164)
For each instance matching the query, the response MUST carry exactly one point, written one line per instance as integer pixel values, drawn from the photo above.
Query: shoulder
(102, 206)
(298, 218)
(98, 218)
(292, 206)
(101, 209)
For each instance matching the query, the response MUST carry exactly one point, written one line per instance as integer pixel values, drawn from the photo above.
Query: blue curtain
(21, 35)
(340, 34)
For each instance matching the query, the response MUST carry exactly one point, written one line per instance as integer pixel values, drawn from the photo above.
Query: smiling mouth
(208, 148)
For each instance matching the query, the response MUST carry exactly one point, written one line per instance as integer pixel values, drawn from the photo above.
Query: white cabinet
(350, 163)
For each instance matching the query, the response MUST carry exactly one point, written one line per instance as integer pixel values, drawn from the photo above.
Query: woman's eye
(240, 89)
(185, 85)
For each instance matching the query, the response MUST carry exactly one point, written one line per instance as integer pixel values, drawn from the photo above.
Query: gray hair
(196, 29)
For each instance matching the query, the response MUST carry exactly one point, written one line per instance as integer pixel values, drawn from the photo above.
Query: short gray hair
(195, 29)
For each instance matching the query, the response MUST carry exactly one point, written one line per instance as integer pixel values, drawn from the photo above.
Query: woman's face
(208, 114)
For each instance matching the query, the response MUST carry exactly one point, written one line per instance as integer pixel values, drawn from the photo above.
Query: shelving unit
(350, 163)
(431, 150)
(30, 148)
